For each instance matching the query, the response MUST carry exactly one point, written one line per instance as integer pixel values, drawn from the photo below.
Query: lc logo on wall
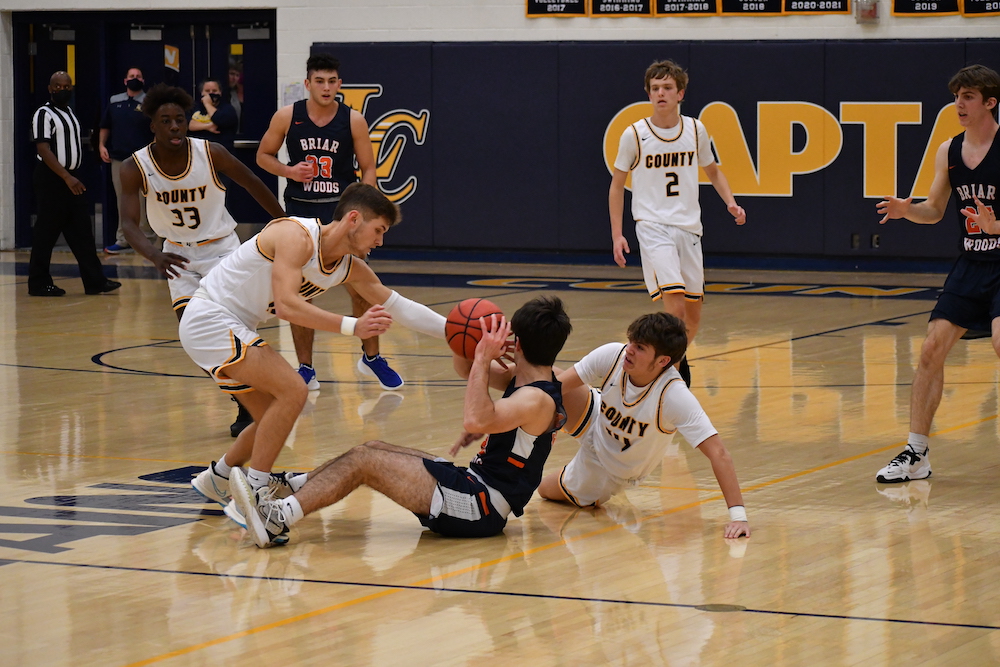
(778, 161)
(390, 134)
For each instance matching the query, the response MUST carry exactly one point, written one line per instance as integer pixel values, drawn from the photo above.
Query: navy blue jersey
(330, 149)
(981, 182)
(512, 462)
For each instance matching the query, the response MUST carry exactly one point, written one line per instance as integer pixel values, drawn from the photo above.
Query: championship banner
(614, 8)
(568, 8)
(752, 7)
(687, 7)
(976, 8)
(924, 7)
(801, 7)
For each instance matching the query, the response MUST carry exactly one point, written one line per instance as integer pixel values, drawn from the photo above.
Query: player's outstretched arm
(725, 473)
(407, 312)
(165, 262)
(616, 206)
(932, 209)
(721, 185)
(227, 163)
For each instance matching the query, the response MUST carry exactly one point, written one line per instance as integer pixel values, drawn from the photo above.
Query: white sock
(222, 468)
(296, 482)
(918, 443)
(293, 510)
(257, 478)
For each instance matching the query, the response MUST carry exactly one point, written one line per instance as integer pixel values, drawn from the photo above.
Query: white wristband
(347, 325)
(737, 513)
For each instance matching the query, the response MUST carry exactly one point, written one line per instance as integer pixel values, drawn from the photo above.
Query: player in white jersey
(276, 273)
(185, 200)
(624, 403)
(663, 153)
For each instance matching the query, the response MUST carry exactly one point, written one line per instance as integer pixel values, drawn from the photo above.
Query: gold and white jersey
(190, 207)
(664, 164)
(636, 424)
(241, 283)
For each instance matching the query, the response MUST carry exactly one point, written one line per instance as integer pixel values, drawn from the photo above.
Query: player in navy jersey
(323, 137)
(450, 500)
(967, 166)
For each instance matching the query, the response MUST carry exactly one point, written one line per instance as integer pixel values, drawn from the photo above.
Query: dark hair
(370, 202)
(161, 94)
(661, 69)
(977, 77)
(664, 332)
(211, 79)
(542, 327)
(322, 62)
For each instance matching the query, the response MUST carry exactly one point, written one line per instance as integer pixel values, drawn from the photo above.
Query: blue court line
(472, 591)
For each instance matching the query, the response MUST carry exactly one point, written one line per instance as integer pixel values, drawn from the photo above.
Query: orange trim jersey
(636, 423)
(664, 164)
(241, 283)
(189, 207)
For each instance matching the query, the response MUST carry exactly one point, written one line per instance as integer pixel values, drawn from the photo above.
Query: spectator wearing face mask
(214, 118)
(124, 130)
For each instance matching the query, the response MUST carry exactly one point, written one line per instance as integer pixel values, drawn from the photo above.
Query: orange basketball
(462, 328)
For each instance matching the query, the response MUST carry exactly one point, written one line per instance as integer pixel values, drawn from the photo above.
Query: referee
(62, 206)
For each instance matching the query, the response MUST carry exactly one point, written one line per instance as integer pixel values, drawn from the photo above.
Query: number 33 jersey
(664, 164)
(189, 207)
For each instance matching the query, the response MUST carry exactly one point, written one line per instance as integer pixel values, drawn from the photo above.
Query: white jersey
(241, 283)
(188, 208)
(664, 164)
(637, 423)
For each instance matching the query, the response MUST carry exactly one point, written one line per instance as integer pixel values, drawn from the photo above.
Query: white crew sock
(257, 478)
(222, 468)
(296, 482)
(918, 443)
(293, 510)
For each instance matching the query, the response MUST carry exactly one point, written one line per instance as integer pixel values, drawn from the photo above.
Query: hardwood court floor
(108, 558)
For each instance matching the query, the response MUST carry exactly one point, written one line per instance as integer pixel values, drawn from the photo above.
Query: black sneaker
(47, 290)
(243, 419)
(108, 286)
(685, 371)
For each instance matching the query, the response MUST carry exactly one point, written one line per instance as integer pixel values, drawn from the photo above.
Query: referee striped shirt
(61, 129)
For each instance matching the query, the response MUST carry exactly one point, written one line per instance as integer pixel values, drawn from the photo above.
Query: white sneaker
(906, 466)
(212, 486)
(264, 515)
(234, 515)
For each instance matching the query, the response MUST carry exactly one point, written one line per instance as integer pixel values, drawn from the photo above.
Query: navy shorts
(971, 296)
(303, 209)
(464, 504)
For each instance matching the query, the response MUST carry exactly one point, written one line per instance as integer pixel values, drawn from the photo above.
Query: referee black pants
(60, 211)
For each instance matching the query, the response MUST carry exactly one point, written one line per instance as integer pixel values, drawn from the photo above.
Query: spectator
(214, 118)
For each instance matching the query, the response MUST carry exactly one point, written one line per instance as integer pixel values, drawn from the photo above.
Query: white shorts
(671, 261)
(584, 480)
(202, 257)
(214, 338)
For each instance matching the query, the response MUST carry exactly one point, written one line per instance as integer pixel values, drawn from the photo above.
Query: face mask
(135, 85)
(61, 97)
(216, 98)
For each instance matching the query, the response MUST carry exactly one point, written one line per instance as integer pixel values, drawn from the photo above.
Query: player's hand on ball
(464, 440)
(167, 263)
(737, 529)
(892, 208)
(374, 322)
(493, 344)
(301, 172)
(619, 248)
(738, 213)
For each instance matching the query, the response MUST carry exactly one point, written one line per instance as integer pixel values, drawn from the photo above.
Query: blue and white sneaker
(265, 517)
(308, 374)
(212, 486)
(378, 368)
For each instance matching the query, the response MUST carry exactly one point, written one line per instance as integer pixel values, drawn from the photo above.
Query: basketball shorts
(584, 480)
(671, 261)
(461, 505)
(215, 339)
(202, 257)
(971, 295)
(307, 209)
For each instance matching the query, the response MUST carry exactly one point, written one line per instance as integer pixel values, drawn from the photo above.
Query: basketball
(462, 328)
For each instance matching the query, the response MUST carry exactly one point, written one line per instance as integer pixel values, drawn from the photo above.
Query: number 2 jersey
(981, 182)
(191, 206)
(664, 164)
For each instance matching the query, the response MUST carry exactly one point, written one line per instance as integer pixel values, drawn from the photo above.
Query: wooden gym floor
(107, 557)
